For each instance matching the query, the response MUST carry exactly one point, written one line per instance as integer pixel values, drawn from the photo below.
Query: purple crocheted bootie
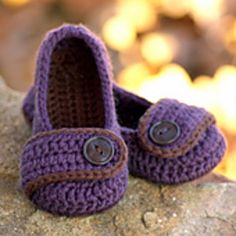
(76, 161)
(169, 142)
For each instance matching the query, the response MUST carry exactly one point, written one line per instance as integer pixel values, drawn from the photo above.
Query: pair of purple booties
(88, 133)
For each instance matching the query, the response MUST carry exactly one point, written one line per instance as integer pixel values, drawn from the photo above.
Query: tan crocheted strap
(109, 172)
(170, 152)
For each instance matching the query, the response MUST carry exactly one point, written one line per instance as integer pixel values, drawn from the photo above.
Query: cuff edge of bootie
(162, 111)
(31, 178)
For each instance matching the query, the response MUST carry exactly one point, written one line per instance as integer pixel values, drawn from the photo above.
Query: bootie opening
(75, 92)
(129, 107)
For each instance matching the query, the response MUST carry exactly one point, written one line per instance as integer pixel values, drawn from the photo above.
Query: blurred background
(183, 49)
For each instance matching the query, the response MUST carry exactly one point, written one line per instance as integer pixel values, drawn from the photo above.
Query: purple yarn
(98, 49)
(195, 162)
(82, 197)
(45, 154)
(52, 151)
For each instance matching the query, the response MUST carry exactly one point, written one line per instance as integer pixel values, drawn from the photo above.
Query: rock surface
(147, 209)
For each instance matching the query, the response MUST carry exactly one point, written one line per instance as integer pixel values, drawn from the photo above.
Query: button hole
(98, 150)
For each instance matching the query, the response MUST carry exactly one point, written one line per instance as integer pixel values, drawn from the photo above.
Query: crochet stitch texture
(198, 149)
(73, 103)
(196, 152)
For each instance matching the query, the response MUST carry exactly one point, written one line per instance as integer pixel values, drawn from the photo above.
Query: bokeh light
(139, 12)
(15, 3)
(158, 49)
(118, 33)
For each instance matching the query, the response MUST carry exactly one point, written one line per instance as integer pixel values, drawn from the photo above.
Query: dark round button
(164, 132)
(98, 150)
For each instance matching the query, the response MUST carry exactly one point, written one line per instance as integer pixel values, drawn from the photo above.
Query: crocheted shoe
(192, 147)
(168, 142)
(196, 147)
(76, 162)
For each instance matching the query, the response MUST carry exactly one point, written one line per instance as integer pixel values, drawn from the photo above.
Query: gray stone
(203, 208)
